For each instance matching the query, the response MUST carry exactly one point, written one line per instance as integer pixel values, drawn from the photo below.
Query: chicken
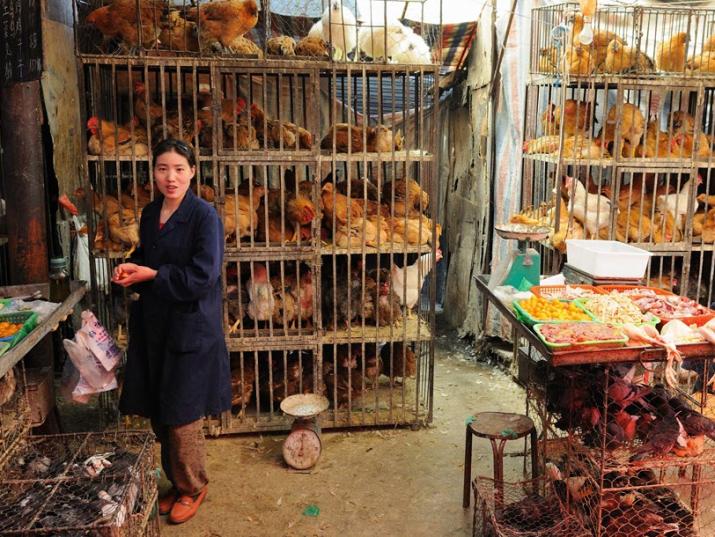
(110, 139)
(345, 384)
(145, 110)
(282, 45)
(261, 299)
(542, 144)
(656, 143)
(631, 128)
(701, 63)
(369, 231)
(388, 309)
(694, 423)
(339, 27)
(379, 139)
(624, 59)
(337, 206)
(313, 47)
(124, 231)
(412, 50)
(381, 42)
(237, 137)
(406, 282)
(580, 147)
(664, 228)
(633, 226)
(285, 311)
(592, 210)
(638, 523)
(242, 384)
(670, 54)
(577, 61)
(187, 129)
(241, 216)
(569, 228)
(243, 46)
(280, 133)
(221, 22)
(548, 60)
(686, 143)
(677, 204)
(413, 230)
(288, 212)
(349, 300)
(179, 34)
(576, 118)
(360, 188)
(303, 293)
(399, 360)
(407, 190)
(122, 20)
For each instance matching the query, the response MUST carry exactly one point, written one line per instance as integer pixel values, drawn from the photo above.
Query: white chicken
(412, 50)
(406, 282)
(338, 27)
(592, 210)
(381, 42)
(261, 302)
(677, 204)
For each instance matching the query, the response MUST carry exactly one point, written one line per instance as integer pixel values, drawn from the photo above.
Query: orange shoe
(167, 501)
(186, 506)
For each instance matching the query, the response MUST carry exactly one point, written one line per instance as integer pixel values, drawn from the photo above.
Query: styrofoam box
(607, 259)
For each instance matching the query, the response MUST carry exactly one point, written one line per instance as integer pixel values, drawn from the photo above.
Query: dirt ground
(393, 482)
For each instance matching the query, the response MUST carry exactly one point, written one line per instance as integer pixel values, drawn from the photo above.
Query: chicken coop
(618, 137)
(618, 146)
(314, 130)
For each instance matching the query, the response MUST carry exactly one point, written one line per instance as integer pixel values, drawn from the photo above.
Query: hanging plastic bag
(89, 367)
(99, 341)
(80, 266)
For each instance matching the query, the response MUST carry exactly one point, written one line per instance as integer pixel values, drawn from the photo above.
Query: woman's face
(173, 175)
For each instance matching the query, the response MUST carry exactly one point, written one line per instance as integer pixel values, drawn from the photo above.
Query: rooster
(219, 23)
(261, 301)
(406, 282)
(120, 19)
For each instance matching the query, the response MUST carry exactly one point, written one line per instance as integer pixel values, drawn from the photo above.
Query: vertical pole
(23, 172)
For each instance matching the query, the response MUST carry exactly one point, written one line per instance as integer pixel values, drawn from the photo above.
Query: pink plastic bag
(99, 341)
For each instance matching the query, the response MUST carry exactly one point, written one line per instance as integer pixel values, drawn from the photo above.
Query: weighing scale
(302, 446)
(522, 267)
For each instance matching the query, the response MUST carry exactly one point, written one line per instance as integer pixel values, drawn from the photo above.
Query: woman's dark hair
(177, 146)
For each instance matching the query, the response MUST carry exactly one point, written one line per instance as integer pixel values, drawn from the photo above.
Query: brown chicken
(416, 231)
(670, 55)
(242, 383)
(282, 45)
(656, 143)
(577, 61)
(379, 139)
(664, 229)
(576, 117)
(285, 310)
(568, 228)
(313, 47)
(187, 129)
(408, 191)
(581, 147)
(124, 230)
(245, 47)
(548, 60)
(542, 144)
(686, 142)
(146, 111)
(360, 188)
(338, 206)
(221, 22)
(370, 231)
(280, 133)
(288, 215)
(399, 361)
(632, 125)
(110, 139)
(241, 216)
(623, 59)
(388, 310)
(179, 34)
(703, 62)
(120, 19)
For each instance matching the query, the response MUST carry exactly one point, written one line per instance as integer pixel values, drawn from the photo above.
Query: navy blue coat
(177, 364)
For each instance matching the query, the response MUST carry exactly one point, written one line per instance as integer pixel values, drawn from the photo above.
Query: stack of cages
(321, 165)
(100, 484)
(618, 137)
(618, 146)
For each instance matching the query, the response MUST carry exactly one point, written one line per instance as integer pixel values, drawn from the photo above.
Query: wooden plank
(17, 353)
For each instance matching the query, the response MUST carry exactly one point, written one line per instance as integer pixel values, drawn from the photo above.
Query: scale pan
(304, 405)
(522, 232)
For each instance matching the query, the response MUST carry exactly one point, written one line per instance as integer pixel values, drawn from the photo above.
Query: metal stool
(497, 426)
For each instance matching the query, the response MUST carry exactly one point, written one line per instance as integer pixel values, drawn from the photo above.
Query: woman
(177, 363)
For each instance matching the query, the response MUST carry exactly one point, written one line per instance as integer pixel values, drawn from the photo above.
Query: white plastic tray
(607, 259)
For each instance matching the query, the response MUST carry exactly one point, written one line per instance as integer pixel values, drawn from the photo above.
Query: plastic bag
(80, 265)
(99, 341)
(74, 387)
(89, 367)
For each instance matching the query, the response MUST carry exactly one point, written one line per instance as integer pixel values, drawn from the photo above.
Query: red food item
(671, 307)
(572, 333)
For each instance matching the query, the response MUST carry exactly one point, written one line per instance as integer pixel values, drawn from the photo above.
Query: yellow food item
(7, 329)
(544, 309)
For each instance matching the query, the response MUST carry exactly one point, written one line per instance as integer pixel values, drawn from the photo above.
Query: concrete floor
(368, 483)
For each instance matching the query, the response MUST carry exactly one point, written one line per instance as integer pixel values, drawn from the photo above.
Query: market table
(585, 356)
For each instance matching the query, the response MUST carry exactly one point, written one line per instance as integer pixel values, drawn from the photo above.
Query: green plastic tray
(29, 320)
(558, 346)
(655, 321)
(527, 319)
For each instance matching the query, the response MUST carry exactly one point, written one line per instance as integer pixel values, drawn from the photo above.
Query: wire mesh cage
(82, 484)
(525, 509)
(625, 41)
(15, 414)
(296, 30)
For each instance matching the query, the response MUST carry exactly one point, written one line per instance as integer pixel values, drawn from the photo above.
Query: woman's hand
(128, 274)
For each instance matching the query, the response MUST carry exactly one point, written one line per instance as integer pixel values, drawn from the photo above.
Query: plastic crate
(586, 345)
(607, 289)
(544, 291)
(530, 321)
(29, 320)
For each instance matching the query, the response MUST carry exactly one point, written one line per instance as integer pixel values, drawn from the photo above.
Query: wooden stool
(497, 426)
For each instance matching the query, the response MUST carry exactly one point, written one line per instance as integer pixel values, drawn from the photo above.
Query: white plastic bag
(81, 253)
(89, 367)
(74, 387)
(99, 341)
